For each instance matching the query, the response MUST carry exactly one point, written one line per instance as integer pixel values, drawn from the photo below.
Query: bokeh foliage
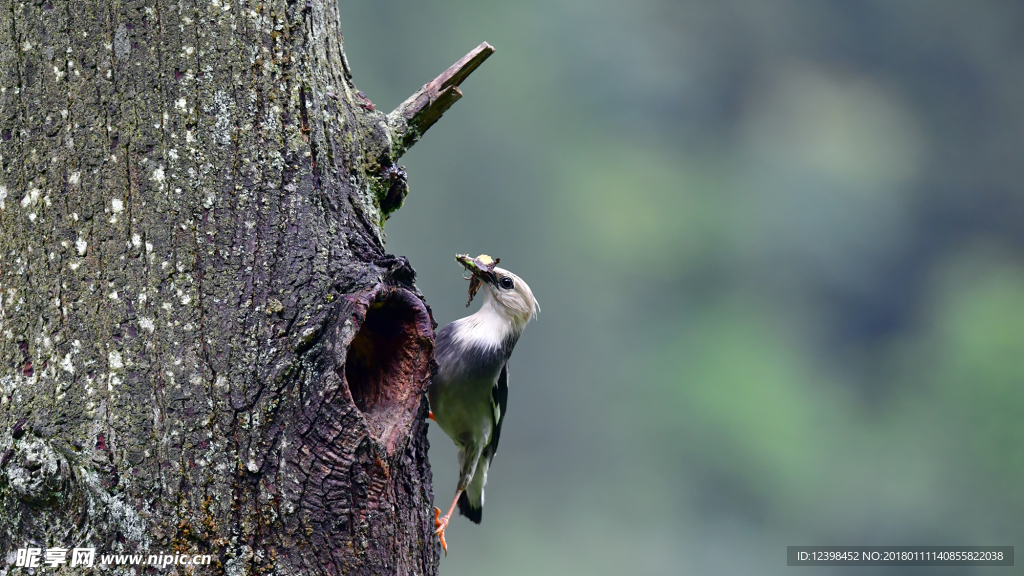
(779, 249)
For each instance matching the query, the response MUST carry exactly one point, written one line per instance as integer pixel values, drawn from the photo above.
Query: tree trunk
(203, 346)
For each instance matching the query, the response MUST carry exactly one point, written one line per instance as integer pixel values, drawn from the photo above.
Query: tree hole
(388, 363)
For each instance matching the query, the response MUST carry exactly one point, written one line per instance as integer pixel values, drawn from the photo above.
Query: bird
(469, 392)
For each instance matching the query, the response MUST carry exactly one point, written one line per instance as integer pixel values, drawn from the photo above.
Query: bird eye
(506, 283)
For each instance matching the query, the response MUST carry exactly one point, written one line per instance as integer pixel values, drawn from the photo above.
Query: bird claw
(441, 524)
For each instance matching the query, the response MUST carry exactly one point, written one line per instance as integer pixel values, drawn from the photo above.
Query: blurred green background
(778, 246)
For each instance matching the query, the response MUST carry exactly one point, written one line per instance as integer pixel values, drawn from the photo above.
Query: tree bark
(204, 347)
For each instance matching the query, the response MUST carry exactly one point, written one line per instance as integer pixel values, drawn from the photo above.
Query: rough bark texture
(203, 345)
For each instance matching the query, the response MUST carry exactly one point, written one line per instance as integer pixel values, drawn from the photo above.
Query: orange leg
(442, 523)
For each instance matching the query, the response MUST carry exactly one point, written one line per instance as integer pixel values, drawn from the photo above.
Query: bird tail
(467, 509)
(471, 502)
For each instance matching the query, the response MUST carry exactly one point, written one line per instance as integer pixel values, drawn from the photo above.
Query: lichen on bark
(192, 200)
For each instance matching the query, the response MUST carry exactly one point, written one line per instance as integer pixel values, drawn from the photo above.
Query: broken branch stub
(420, 111)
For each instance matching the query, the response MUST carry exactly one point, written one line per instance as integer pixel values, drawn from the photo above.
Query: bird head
(509, 292)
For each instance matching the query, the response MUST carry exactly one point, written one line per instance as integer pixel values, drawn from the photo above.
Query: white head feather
(505, 311)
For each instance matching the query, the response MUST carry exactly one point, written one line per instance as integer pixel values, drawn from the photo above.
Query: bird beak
(481, 270)
(481, 267)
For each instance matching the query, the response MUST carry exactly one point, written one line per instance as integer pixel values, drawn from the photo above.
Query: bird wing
(499, 401)
(471, 501)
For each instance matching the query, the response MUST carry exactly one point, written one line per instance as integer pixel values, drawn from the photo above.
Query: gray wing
(471, 502)
(499, 401)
